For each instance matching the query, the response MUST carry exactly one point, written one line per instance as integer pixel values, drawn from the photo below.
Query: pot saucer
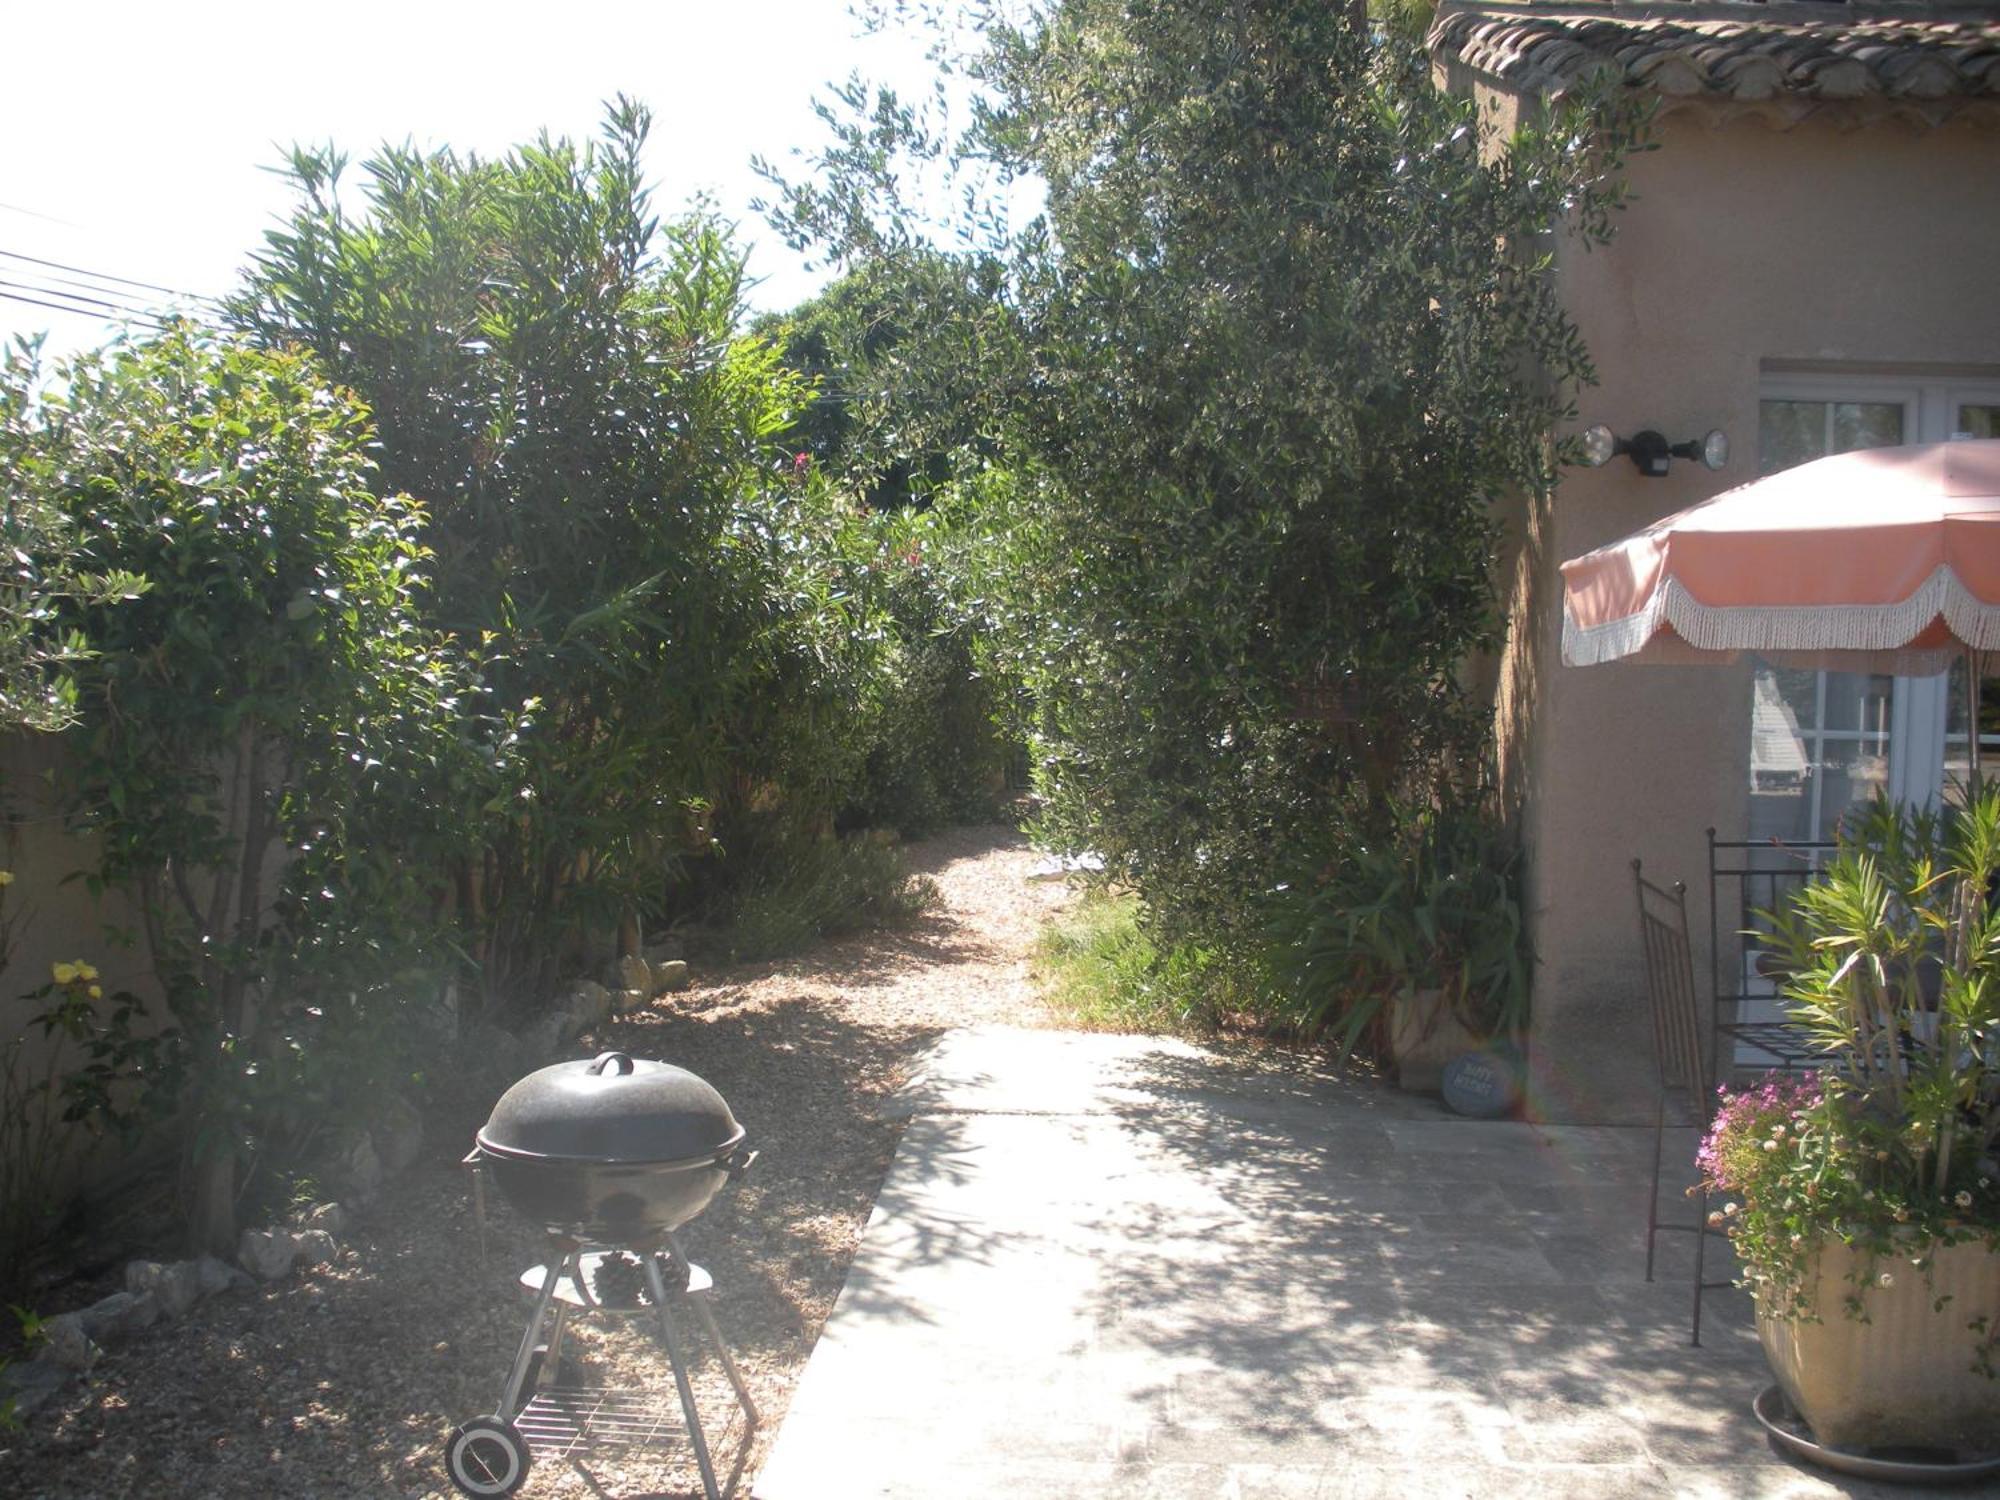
(1893, 1465)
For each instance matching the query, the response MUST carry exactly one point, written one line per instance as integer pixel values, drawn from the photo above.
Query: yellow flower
(84, 970)
(6, 877)
(64, 973)
(96, 992)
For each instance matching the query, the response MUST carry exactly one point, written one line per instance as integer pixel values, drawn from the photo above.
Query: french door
(1823, 742)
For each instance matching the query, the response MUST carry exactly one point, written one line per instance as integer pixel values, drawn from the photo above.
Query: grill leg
(510, 1401)
(743, 1398)
(701, 1311)
(677, 1359)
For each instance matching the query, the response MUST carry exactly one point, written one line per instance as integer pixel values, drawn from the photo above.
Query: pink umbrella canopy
(1884, 558)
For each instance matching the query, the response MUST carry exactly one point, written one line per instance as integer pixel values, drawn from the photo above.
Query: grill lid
(616, 1108)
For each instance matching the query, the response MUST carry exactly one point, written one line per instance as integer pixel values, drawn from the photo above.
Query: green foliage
(269, 690)
(902, 352)
(798, 887)
(39, 572)
(1891, 961)
(932, 751)
(1285, 336)
(1099, 968)
(1433, 905)
(640, 576)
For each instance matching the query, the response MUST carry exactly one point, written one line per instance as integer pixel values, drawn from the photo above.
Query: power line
(107, 304)
(56, 265)
(82, 312)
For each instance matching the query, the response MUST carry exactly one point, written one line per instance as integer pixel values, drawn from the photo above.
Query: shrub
(269, 691)
(1433, 904)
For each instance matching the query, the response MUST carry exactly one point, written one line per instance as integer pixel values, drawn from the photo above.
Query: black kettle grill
(609, 1156)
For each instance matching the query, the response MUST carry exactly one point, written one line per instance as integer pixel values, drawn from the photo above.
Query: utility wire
(56, 265)
(82, 312)
(49, 291)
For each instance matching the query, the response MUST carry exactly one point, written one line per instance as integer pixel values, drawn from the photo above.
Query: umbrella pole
(1974, 660)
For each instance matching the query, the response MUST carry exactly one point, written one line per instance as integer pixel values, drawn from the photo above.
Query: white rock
(634, 973)
(120, 1315)
(665, 953)
(68, 1344)
(359, 1169)
(315, 1247)
(328, 1216)
(591, 1000)
(631, 1000)
(218, 1276)
(673, 976)
(267, 1253)
(397, 1135)
(175, 1287)
(30, 1382)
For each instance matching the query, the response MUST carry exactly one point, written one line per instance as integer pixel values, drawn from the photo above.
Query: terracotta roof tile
(1736, 50)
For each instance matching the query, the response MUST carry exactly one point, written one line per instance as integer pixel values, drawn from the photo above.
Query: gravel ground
(344, 1381)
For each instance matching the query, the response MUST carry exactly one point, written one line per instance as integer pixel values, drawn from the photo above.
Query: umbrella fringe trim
(1809, 627)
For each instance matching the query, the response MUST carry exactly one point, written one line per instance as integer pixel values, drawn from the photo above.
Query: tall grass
(1100, 970)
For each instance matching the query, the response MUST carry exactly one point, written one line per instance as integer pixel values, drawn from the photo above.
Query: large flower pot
(1424, 1035)
(1911, 1375)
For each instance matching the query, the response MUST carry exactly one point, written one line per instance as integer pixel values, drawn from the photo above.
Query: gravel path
(343, 1381)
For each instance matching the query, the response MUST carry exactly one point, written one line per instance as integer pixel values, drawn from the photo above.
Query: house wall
(1747, 245)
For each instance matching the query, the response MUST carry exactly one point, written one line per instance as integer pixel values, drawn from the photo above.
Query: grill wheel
(487, 1456)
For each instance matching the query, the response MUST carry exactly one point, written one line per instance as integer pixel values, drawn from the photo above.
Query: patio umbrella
(1883, 559)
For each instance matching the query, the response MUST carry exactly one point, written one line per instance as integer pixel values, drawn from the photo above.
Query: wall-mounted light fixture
(1651, 453)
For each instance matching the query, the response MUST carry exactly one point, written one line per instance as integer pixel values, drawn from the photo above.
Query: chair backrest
(1678, 1038)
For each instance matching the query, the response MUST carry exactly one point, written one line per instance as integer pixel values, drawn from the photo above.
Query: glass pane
(1978, 421)
(1866, 424)
(1858, 702)
(1957, 769)
(1799, 688)
(1789, 433)
(1850, 774)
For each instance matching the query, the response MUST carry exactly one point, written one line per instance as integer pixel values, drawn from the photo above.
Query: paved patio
(1113, 1266)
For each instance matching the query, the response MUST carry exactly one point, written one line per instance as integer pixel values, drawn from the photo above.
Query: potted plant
(1864, 1201)
(1414, 940)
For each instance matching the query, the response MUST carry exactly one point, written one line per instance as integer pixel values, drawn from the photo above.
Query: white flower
(1770, 1145)
(1963, 1199)
(1715, 1216)
(1731, 1209)
(1777, 1130)
(1885, 1279)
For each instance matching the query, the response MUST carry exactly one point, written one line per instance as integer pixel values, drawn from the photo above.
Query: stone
(359, 1169)
(29, 1383)
(634, 973)
(674, 975)
(328, 1216)
(267, 1253)
(315, 1247)
(175, 1287)
(396, 1135)
(665, 953)
(68, 1344)
(218, 1276)
(120, 1315)
(591, 1000)
(631, 1000)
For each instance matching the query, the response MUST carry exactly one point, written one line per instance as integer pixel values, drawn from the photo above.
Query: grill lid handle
(618, 1062)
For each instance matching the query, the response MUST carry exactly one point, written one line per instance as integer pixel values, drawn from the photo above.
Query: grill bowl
(616, 1152)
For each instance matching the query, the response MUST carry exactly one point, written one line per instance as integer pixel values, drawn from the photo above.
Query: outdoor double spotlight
(1651, 453)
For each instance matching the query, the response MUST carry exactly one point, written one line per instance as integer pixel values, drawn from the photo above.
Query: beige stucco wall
(1814, 247)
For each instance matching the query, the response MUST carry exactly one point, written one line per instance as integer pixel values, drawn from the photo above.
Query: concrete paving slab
(1118, 1266)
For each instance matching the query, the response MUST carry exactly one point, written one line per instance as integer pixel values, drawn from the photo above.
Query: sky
(139, 136)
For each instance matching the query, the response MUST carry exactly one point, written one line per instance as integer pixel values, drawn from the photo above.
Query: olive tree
(1286, 338)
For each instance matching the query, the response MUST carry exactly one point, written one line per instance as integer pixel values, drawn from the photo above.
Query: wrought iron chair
(1745, 877)
(1682, 1053)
